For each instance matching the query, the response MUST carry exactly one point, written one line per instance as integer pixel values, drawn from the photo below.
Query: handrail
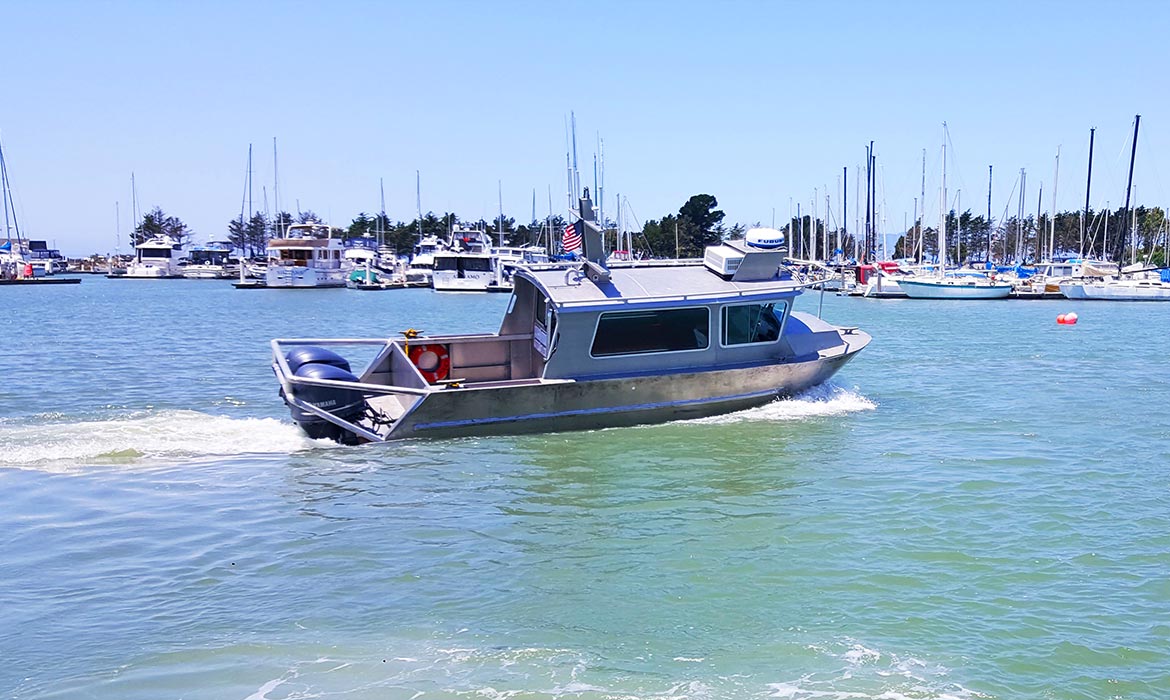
(787, 290)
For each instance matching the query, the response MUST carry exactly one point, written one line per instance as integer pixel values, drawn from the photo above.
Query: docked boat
(965, 285)
(420, 271)
(508, 258)
(1145, 285)
(581, 346)
(881, 280)
(962, 284)
(307, 257)
(469, 267)
(155, 258)
(210, 262)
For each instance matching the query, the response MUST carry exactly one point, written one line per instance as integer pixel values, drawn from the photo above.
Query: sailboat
(17, 255)
(1135, 283)
(969, 285)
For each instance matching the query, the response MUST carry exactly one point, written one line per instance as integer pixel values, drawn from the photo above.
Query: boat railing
(287, 378)
(789, 289)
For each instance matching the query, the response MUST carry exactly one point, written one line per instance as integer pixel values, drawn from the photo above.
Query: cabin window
(446, 264)
(745, 324)
(476, 264)
(638, 332)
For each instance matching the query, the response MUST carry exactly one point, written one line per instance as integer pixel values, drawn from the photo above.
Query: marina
(702, 368)
(919, 526)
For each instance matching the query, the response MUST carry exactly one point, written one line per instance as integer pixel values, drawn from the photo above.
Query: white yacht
(471, 267)
(1140, 284)
(308, 256)
(510, 258)
(210, 262)
(421, 269)
(156, 258)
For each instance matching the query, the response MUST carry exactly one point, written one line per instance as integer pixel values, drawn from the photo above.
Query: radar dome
(764, 238)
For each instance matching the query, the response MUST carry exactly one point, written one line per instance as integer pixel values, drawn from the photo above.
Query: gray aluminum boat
(582, 346)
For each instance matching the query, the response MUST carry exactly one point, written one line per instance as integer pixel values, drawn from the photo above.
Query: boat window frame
(706, 309)
(544, 314)
(783, 318)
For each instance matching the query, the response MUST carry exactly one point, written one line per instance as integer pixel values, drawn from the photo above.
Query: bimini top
(569, 289)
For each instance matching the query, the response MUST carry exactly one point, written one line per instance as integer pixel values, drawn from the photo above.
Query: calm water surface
(976, 508)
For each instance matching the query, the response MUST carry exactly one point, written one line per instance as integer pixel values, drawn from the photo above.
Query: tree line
(699, 223)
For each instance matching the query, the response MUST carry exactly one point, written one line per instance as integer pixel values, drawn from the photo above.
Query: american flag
(571, 241)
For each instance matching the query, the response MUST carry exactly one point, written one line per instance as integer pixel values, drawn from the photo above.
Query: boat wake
(168, 435)
(817, 402)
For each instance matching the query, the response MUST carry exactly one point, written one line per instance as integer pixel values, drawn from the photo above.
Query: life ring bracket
(432, 360)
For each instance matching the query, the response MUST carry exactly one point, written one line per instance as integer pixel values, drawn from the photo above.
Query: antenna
(275, 179)
(576, 172)
(418, 201)
(6, 194)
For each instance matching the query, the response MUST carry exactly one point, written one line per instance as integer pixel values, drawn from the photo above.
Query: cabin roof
(567, 288)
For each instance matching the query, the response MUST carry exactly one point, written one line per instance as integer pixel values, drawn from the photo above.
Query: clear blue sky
(757, 103)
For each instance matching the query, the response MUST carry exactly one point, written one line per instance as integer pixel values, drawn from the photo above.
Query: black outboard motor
(309, 354)
(349, 405)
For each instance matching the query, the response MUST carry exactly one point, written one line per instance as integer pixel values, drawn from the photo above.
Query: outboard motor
(349, 405)
(309, 354)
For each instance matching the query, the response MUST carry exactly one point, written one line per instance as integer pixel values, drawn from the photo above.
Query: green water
(977, 508)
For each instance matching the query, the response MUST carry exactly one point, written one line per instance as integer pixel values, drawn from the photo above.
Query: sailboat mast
(989, 213)
(6, 195)
(921, 244)
(418, 202)
(1039, 230)
(1020, 217)
(825, 248)
(868, 222)
(1120, 253)
(959, 227)
(1088, 183)
(382, 218)
(500, 221)
(942, 211)
(601, 184)
(843, 234)
(275, 182)
(133, 207)
(245, 198)
(1052, 222)
(872, 199)
(800, 237)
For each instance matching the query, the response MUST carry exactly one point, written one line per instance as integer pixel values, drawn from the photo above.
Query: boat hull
(615, 402)
(286, 277)
(1149, 291)
(922, 289)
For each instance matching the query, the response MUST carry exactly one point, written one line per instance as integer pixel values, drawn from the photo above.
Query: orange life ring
(433, 362)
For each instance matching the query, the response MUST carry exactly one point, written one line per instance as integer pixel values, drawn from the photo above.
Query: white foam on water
(263, 691)
(167, 435)
(869, 674)
(818, 402)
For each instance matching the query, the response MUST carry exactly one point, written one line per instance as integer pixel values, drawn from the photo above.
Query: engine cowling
(347, 404)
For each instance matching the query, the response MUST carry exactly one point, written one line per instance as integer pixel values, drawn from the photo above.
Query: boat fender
(433, 361)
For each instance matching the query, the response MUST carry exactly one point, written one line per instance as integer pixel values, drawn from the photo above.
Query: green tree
(157, 223)
(700, 225)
